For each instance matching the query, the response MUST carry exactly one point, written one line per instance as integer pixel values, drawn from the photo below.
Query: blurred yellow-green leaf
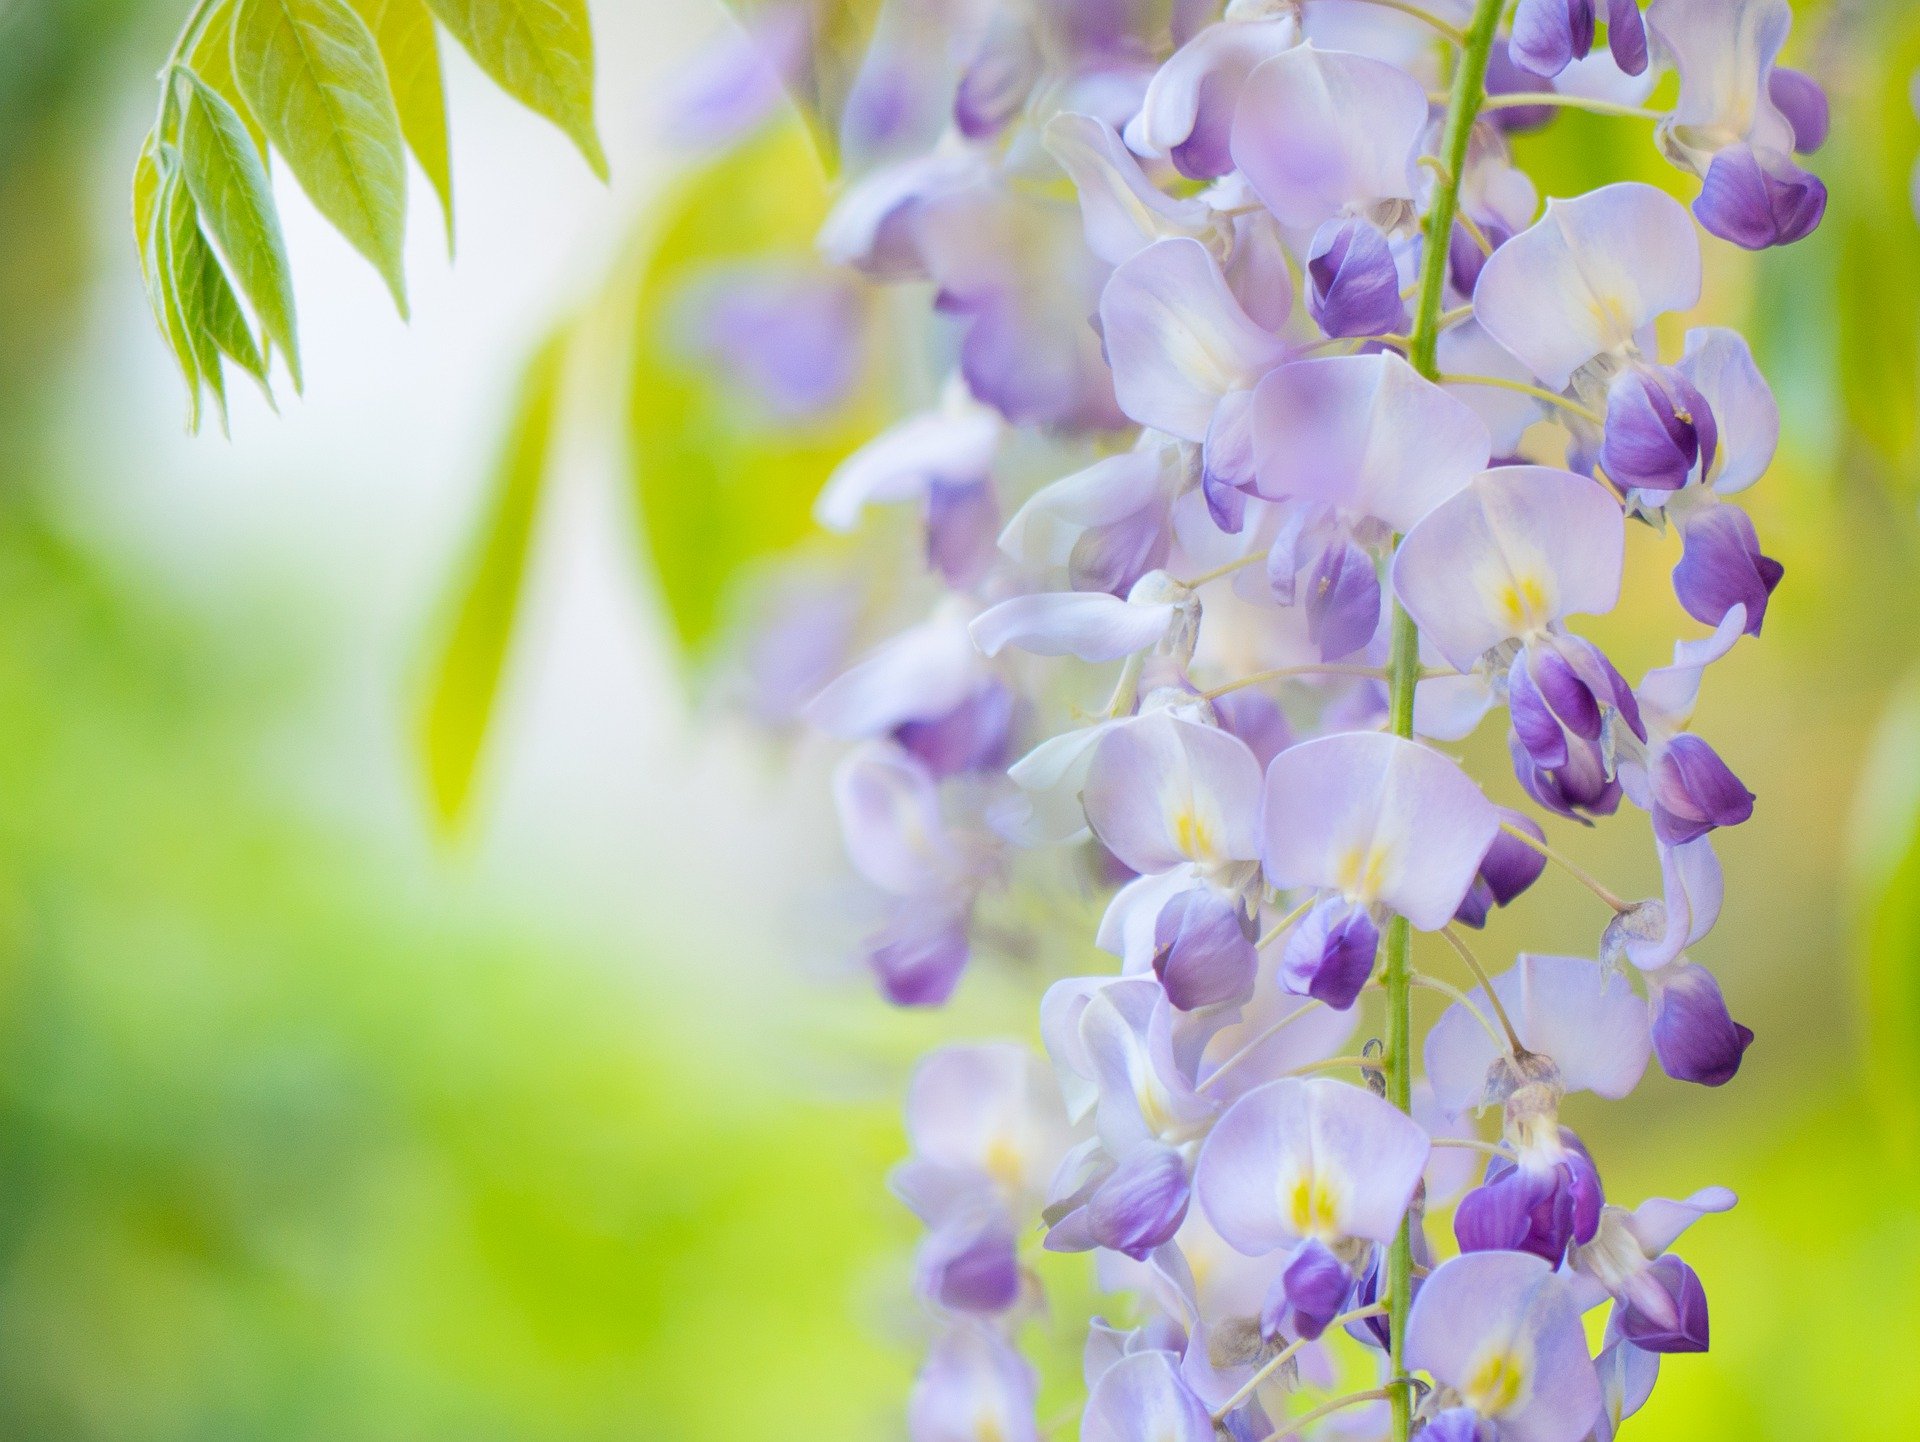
(719, 488)
(838, 33)
(465, 681)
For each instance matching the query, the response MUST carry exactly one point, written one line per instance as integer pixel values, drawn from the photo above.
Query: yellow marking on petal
(987, 1428)
(1524, 603)
(1192, 835)
(1311, 1207)
(1497, 1384)
(1362, 870)
(1006, 1163)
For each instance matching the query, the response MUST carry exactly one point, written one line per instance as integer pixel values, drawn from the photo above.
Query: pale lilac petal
(1724, 51)
(1502, 1329)
(1046, 529)
(974, 1385)
(1319, 133)
(1654, 933)
(1583, 280)
(1450, 708)
(1187, 112)
(1142, 1398)
(1092, 625)
(1720, 364)
(1144, 1097)
(1127, 925)
(1295, 1159)
(1365, 434)
(919, 675)
(1521, 547)
(1377, 819)
(1591, 1023)
(1178, 340)
(889, 809)
(1123, 211)
(1659, 1222)
(1669, 694)
(1467, 349)
(989, 1108)
(1164, 793)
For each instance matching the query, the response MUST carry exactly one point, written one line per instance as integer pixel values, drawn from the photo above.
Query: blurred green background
(314, 1126)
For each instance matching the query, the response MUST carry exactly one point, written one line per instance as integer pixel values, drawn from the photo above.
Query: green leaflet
(212, 60)
(312, 74)
(465, 677)
(229, 184)
(152, 189)
(538, 51)
(1885, 879)
(183, 298)
(719, 490)
(839, 32)
(403, 29)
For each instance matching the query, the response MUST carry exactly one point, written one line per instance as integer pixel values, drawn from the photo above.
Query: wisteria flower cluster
(1359, 431)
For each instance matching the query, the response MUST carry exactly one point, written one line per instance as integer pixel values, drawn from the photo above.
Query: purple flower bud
(1329, 954)
(1694, 791)
(1756, 199)
(1203, 950)
(1343, 601)
(1667, 1309)
(1659, 431)
(1310, 1293)
(998, 79)
(1456, 1424)
(971, 1263)
(963, 522)
(1542, 1209)
(1579, 789)
(974, 736)
(1143, 1202)
(1802, 100)
(1506, 871)
(1353, 285)
(1112, 557)
(1549, 35)
(1506, 78)
(1693, 1034)
(1721, 567)
(1257, 720)
(918, 958)
(1465, 258)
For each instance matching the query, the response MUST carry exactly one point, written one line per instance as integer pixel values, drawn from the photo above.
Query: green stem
(1403, 669)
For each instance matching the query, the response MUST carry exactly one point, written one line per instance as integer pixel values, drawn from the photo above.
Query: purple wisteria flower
(1242, 502)
(1500, 1334)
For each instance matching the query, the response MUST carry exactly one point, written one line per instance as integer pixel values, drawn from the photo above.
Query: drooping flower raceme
(1279, 435)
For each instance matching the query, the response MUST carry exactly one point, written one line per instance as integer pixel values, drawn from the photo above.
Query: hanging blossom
(1277, 435)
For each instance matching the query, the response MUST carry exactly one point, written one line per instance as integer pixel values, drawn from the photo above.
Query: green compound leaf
(541, 53)
(229, 184)
(464, 685)
(720, 489)
(312, 75)
(403, 29)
